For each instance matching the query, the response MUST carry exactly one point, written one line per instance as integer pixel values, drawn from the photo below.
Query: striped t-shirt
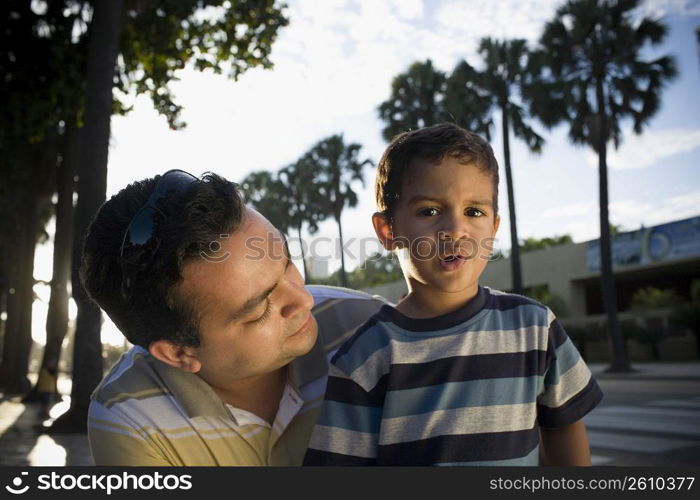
(467, 388)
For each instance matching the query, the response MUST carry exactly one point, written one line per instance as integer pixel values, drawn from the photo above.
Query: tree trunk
(620, 361)
(343, 275)
(18, 334)
(514, 243)
(303, 256)
(57, 317)
(103, 48)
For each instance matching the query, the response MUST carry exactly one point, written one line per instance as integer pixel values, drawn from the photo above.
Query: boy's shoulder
(518, 306)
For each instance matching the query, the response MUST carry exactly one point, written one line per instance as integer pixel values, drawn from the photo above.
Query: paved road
(646, 422)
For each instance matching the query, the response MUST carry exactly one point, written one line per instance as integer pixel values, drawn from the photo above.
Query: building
(318, 268)
(666, 256)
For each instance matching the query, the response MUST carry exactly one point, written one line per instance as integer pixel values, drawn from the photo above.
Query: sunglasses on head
(141, 240)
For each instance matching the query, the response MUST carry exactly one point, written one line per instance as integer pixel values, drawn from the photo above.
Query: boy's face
(444, 223)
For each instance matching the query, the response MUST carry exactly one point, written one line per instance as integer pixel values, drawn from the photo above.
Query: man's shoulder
(132, 374)
(323, 293)
(340, 311)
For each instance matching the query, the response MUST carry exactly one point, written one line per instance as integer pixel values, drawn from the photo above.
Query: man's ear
(175, 355)
(382, 227)
(496, 223)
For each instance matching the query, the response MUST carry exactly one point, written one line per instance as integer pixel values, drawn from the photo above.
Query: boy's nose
(454, 227)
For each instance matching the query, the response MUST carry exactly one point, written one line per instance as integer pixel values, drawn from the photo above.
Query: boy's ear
(382, 228)
(175, 355)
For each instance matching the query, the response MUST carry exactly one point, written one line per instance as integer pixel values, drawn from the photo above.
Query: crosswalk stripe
(624, 422)
(644, 444)
(600, 460)
(689, 414)
(676, 403)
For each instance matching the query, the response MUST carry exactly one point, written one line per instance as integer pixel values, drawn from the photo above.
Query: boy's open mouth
(451, 262)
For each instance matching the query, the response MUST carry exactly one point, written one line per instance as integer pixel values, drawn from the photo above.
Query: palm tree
(592, 77)
(417, 100)
(498, 86)
(261, 189)
(339, 168)
(288, 200)
(300, 195)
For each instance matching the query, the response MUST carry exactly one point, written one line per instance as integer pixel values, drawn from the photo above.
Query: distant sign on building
(666, 242)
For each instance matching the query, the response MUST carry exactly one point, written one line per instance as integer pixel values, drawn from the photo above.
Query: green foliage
(643, 334)
(289, 198)
(506, 67)
(417, 100)
(376, 270)
(338, 168)
(650, 298)
(268, 195)
(530, 244)
(162, 37)
(582, 334)
(590, 66)
(551, 300)
(687, 316)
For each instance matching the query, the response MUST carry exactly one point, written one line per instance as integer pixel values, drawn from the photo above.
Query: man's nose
(297, 298)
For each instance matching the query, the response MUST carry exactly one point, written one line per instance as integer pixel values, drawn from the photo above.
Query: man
(228, 365)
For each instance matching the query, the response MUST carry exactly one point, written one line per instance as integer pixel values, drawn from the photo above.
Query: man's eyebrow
(253, 302)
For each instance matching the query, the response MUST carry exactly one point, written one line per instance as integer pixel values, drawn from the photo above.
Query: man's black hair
(192, 220)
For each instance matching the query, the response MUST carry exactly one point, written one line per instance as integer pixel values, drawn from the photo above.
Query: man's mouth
(304, 325)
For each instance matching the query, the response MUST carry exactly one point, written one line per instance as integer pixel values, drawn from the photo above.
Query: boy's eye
(428, 212)
(474, 212)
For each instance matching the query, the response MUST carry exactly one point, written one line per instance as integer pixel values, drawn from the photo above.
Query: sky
(333, 65)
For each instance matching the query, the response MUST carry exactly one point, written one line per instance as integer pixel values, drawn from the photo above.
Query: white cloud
(661, 8)
(649, 148)
(572, 210)
(633, 213)
(474, 19)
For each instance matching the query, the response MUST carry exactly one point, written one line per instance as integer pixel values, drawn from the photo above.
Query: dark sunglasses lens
(141, 228)
(174, 180)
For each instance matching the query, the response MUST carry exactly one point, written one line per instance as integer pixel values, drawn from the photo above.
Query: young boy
(456, 374)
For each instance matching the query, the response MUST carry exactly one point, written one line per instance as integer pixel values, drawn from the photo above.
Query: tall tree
(261, 189)
(33, 92)
(505, 63)
(417, 100)
(339, 169)
(593, 76)
(299, 194)
(103, 48)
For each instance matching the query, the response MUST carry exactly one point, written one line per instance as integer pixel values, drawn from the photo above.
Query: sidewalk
(651, 371)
